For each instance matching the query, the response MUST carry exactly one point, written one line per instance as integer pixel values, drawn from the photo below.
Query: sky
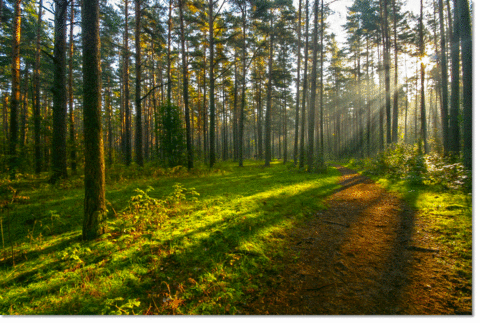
(339, 18)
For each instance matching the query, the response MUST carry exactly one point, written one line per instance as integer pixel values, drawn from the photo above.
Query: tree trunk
(169, 63)
(95, 209)
(212, 84)
(467, 69)
(185, 88)
(36, 93)
(313, 91)
(395, 82)
(297, 101)
(301, 163)
(455, 99)
(15, 97)
(138, 87)
(423, 115)
(59, 135)
(443, 57)
(386, 58)
(268, 111)
(244, 71)
(73, 148)
(126, 92)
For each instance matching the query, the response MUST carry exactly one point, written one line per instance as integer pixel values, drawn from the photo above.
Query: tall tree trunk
(36, 92)
(244, 77)
(443, 58)
(313, 91)
(423, 115)
(465, 28)
(185, 88)
(322, 27)
(73, 148)
(395, 82)
(212, 83)
(301, 163)
(455, 99)
(169, 59)
(386, 58)
(297, 100)
(95, 209)
(59, 135)
(126, 92)
(268, 111)
(138, 87)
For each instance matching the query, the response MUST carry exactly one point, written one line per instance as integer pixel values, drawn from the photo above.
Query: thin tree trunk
(443, 59)
(185, 88)
(73, 148)
(212, 84)
(395, 83)
(244, 71)
(268, 112)
(126, 92)
(313, 91)
(387, 73)
(297, 101)
(36, 93)
(423, 115)
(304, 94)
(138, 87)
(455, 99)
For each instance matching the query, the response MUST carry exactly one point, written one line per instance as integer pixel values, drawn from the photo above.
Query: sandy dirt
(367, 253)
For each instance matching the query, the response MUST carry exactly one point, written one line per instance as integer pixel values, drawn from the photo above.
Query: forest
(265, 157)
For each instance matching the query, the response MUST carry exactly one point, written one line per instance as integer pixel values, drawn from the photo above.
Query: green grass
(176, 242)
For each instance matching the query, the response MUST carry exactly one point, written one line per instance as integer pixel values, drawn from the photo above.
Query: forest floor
(368, 253)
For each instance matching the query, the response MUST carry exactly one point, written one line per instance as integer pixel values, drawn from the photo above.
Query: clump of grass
(176, 242)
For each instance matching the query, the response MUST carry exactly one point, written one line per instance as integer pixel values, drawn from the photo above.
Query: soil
(368, 253)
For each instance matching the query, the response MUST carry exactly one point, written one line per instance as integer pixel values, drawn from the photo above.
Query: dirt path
(366, 254)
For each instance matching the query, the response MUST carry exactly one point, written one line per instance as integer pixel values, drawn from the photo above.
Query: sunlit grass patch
(176, 242)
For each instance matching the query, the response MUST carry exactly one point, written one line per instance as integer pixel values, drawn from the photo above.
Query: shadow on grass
(210, 247)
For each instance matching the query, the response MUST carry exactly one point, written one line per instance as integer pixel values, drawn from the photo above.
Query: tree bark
(423, 115)
(15, 97)
(36, 92)
(185, 87)
(395, 82)
(444, 93)
(73, 147)
(313, 91)
(301, 163)
(455, 87)
(95, 209)
(212, 83)
(268, 110)
(297, 100)
(138, 87)
(59, 135)
(126, 93)
(465, 28)
(387, 72)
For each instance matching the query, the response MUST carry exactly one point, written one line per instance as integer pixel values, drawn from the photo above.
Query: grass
(176, 242)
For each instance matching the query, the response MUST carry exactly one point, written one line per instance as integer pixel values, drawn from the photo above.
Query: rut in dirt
(366, 254)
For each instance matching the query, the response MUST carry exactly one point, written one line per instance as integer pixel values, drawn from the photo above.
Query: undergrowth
(176, 242)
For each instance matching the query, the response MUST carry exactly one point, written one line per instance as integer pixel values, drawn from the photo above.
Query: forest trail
(367, 253)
